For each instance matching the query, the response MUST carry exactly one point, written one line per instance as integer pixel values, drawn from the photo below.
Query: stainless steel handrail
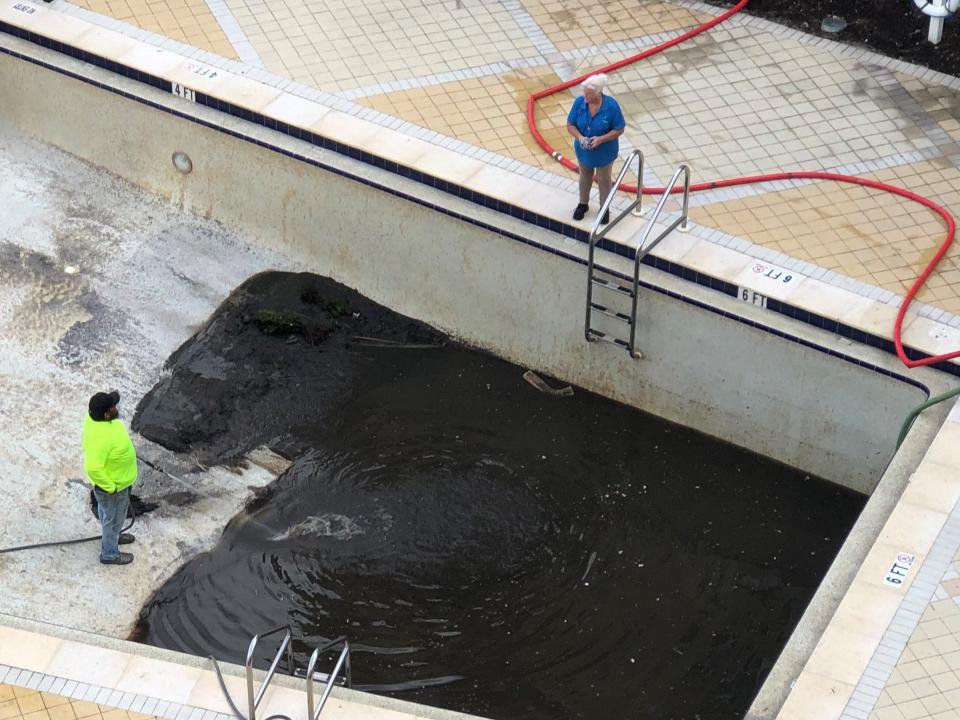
(643, 249)
(605, 207)
(254, 700)
(343, 662)
(634, 207)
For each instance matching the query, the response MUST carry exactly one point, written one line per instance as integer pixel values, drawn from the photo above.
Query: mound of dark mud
(273, 364)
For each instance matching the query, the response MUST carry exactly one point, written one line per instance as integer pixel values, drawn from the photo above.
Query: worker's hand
(594, 143)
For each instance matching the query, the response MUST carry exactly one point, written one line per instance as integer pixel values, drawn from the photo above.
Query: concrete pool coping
(849, 664)
(166, 684)
(832, 683)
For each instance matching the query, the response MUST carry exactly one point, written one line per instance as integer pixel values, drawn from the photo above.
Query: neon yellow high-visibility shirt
(109, 458)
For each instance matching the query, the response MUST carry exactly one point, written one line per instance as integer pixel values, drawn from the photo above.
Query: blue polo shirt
(608, 117)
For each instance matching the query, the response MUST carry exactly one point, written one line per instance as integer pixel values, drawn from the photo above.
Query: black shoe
(126, 539)
(580, 211)
(121, 559)
(606, 218)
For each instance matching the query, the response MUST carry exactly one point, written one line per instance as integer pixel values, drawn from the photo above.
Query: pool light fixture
(182, 162)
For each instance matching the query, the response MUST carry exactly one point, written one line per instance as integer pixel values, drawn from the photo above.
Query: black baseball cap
(101, 402)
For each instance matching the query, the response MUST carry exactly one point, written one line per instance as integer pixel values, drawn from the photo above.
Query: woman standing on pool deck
(596, 123)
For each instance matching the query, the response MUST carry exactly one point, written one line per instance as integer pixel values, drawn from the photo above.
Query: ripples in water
(492, 549)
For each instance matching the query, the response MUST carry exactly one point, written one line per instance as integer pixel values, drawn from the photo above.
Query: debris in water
(536, 381)
(593, 556)
(382, 342)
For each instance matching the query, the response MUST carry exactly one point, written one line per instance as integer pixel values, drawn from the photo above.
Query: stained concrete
(99, 283)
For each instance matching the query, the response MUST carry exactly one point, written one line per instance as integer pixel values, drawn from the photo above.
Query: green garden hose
(912, 415)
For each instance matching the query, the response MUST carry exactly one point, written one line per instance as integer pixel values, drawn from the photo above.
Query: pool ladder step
(612, 313)
(612, 286)
(603, 337)
(592, 333)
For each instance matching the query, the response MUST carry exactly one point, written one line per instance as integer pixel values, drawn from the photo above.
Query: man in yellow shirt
(110, 462)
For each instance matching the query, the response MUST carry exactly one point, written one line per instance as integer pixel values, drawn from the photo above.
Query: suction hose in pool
(902, 353)
(915, 413)
(35, 546)
(54, 543)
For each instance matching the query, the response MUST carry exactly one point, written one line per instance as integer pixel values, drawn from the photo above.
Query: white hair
(595, 82)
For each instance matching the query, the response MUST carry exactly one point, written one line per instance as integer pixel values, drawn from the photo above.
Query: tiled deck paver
(732, 103)
(926, 681)
(835, 225)
(578, 25)
(189, 21)
(20, 703)
(746, 98)
(336, 45)
(461, 109)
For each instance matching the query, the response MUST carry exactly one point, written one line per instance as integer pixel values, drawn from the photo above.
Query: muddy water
(485, 546)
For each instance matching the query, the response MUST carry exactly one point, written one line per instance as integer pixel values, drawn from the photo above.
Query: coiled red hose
(942, 212)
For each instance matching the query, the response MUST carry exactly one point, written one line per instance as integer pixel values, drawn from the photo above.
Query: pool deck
(442, 87)
(65, 674)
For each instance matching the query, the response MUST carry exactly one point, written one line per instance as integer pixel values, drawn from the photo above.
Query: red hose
(917, 284)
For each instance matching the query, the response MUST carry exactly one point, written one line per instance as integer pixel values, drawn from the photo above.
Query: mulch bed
(895, 28)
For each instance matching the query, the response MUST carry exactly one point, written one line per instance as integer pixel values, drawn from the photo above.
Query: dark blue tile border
(526, 215)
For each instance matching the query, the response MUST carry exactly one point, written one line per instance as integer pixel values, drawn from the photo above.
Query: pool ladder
(643, 249)
(254, 696)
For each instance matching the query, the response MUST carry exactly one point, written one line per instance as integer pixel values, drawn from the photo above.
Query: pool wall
(776, 386)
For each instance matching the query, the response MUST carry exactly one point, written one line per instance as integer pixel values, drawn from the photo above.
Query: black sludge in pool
(485, 547)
